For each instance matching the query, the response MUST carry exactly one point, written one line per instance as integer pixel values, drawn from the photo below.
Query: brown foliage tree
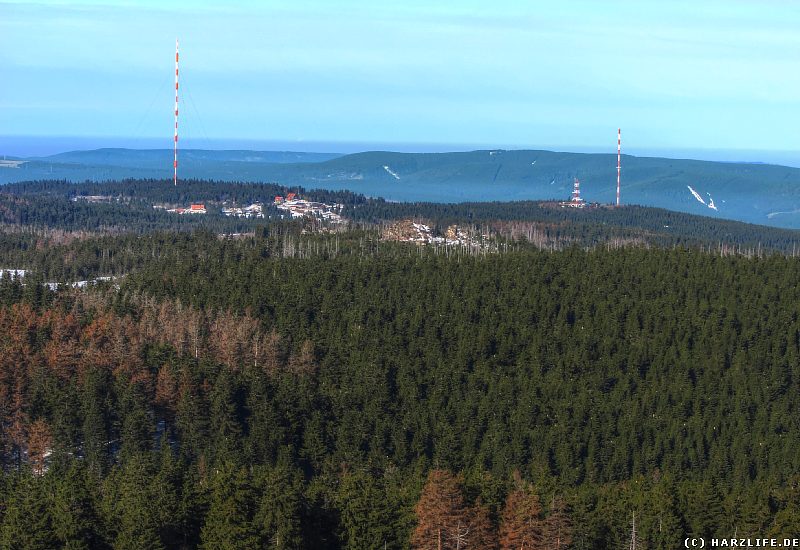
(17, 426)
(97, 339)
(223, 341)
(61, 352)
(303, 362)
(248, 335)
(17, 327)
(521, 527)
(442, 516)
(482, 534)
(269, 354)
(126, 353)
(557, 526)
(194, 323)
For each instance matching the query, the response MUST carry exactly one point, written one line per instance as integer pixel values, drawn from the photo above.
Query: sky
(722, 75)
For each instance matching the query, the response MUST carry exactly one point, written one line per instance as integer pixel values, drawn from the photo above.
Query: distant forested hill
(48, 205)
(154, 158)
(756, 193)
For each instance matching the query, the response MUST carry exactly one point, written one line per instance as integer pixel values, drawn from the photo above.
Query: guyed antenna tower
(175, 161)
(619, 159)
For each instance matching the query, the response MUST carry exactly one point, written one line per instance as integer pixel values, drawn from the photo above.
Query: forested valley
(290, 387)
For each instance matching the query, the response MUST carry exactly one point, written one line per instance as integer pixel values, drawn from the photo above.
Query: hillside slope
(756, 193)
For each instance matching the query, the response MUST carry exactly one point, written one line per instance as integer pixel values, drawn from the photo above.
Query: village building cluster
(255, 210)
(291, 204)
(193, 209)
(93, 199)
(299, 208)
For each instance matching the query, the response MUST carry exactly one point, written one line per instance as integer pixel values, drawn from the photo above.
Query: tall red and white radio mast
(175, 162)
(619, 158)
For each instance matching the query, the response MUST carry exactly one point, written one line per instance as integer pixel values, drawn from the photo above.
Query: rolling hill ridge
(755, 193)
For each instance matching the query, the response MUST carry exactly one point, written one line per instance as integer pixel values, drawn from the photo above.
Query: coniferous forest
(302, 387)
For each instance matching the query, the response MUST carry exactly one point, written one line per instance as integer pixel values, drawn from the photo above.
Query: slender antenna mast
(175, 162)
(619, 158)
(576, 192)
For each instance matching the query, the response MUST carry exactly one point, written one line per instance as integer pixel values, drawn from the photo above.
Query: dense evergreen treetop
(605, 377)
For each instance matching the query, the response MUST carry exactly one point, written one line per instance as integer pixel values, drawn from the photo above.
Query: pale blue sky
(710, 74)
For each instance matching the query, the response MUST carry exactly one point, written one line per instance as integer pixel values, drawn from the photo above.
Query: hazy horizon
(41, 146)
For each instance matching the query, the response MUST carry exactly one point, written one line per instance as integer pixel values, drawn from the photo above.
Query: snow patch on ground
(420, 233)
(710, 202)
(696, 194)
(389, 170)
(774, 214)
(79, 284)
(13, 273)
(20, 274)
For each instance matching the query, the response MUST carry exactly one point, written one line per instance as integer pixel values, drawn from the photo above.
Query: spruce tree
(229, 522)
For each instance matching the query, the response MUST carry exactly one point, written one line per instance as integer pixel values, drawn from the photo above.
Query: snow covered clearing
(696, 194)
(389, 170)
